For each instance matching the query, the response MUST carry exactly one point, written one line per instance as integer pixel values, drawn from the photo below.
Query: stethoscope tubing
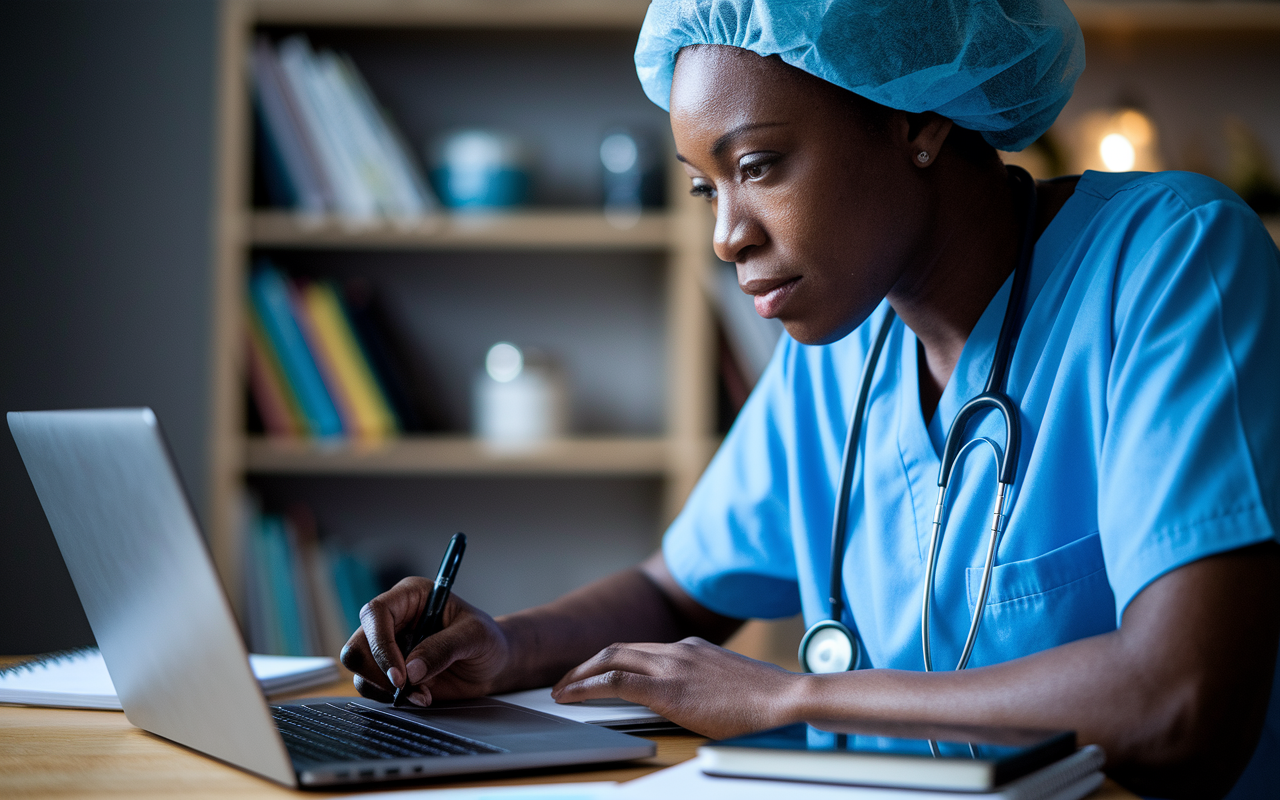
(851, 444)
(992, 397)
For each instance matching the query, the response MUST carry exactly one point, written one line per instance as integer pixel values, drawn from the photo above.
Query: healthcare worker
(1127, 588)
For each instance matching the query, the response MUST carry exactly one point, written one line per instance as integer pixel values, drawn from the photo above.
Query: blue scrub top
(1147, 372)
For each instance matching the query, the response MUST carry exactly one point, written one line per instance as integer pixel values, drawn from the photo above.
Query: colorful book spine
(329, 145)
(325, 613)
(267, 610)
(283, 586)
(277, 405)
(321, 357)
(284, 134)
(302, 596)
(324, 121)
(374, 420)
(408, 193)
(256, 625)
(308, 624)
(355, 585)
(269, 295)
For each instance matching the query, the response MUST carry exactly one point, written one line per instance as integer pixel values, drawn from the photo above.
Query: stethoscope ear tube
(1006, 462)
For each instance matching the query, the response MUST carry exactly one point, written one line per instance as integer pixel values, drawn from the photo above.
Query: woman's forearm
(635, 605)
(1177, 696)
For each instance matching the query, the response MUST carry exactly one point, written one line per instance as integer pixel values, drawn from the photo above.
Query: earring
(923, 157)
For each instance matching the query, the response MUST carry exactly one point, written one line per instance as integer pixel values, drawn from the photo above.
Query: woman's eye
(704, 190)
(755, 168)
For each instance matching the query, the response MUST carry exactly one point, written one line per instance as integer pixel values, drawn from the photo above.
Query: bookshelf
(523, 230)
(460, 455)
(675, 239)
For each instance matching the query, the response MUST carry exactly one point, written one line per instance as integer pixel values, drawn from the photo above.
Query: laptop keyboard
(333, 732)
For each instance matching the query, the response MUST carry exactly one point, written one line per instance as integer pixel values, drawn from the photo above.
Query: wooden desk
(50, 752)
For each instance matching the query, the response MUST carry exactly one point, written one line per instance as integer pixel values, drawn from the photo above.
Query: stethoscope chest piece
(829, 646)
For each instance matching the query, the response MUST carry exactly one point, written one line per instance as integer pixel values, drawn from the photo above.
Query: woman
(848, 156)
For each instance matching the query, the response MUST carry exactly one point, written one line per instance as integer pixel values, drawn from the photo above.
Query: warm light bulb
(504, 363)
(1117, 152)
(1136, 127)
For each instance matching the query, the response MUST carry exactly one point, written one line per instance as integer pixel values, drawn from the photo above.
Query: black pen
(432, 617)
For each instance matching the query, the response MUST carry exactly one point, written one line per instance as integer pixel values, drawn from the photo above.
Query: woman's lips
(770, 303)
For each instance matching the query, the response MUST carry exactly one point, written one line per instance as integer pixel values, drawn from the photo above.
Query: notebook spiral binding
(1073, 769)
(48, 659)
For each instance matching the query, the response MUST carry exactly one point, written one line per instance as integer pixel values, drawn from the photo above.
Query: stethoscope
(829, 646)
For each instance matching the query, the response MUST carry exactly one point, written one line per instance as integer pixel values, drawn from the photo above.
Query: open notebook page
(79, 678)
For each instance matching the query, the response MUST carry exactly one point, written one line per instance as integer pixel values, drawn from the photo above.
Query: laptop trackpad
(481, 721)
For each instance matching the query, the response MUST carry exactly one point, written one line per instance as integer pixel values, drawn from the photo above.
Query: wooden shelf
(1176, 17)
(1094, 16)
(491, 14)
(458, 455)
(522, 230)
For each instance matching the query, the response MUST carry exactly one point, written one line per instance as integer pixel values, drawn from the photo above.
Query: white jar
(518, 403)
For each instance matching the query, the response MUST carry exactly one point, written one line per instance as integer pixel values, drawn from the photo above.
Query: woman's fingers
(372, 651)
(437, 653)
(633, 687)
(380, 632)
(693, 683)
(356, 657)
(462, 660)
(368, 689)
(654, 660)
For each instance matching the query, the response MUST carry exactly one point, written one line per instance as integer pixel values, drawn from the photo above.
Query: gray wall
(105, 230)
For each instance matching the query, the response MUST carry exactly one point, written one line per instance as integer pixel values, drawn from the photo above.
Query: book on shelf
(273, 397)
(348, 373)
(316, 367)
(302, 595)
(294, 176)
(328, 145)
(269, 300)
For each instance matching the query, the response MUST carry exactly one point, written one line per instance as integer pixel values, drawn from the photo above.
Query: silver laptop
(140, 565)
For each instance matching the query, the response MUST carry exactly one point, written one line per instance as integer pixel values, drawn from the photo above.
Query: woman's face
(816, 201)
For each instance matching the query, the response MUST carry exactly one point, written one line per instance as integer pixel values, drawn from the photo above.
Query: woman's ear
(920, 136)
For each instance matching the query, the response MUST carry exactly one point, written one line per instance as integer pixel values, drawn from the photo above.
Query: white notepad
(615, 714)
(79, 678)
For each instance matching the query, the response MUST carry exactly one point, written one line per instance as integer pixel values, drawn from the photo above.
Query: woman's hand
(693, 683)
(465, 659)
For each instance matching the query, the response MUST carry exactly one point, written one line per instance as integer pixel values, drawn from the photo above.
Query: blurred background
(395, 268)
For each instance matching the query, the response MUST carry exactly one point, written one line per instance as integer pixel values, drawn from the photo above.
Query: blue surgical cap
(1002, 67)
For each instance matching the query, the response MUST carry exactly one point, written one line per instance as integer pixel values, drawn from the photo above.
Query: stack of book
(302, 596)
(328, 146)
(320, 362)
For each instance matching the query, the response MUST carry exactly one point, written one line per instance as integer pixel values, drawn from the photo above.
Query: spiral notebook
(79, 678)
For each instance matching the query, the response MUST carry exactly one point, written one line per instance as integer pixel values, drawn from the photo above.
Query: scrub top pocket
(1043, 602)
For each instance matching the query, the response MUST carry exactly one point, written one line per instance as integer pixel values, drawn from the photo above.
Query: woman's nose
(737, 230)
